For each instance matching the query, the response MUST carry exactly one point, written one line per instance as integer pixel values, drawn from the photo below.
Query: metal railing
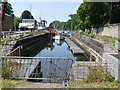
(46, 69)
(91, 50)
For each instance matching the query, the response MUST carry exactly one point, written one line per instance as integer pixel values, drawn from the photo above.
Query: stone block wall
(112, 30)
(92, 43)
(113, 65)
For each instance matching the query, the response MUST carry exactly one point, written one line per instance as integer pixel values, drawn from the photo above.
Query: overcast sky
(47, 9)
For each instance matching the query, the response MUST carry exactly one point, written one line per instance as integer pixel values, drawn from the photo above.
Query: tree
(55, 24)
(17, 20)
(27, 15)
(0, 5)
(74, 21)
(92, 14)
(115, 12)
(9, 9)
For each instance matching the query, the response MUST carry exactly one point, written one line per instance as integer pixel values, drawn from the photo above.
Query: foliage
(91, 15)
(96, 74)
(27, 15)
(8, 68)
(0, 5)
(115, 12)
(9, 9)
(97, 78)
(13, 83)
(17, 20)
(109, 78)
(104, 84)
(106, 39)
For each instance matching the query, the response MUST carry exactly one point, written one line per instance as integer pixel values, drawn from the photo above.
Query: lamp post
(4, 2)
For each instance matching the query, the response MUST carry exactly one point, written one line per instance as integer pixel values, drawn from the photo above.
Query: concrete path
(109, 49)
(75, 49)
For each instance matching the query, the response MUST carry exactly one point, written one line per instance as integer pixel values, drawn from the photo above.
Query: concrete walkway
(109, 49)
(75, 49)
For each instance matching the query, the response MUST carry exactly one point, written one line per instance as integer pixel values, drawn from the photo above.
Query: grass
(105, 84)
(106, 39)
(78, 84)
(13, 83)
(7, 40)
(35, 33)
(97, 78)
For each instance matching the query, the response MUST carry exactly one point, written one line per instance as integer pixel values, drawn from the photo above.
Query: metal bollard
(65, 84)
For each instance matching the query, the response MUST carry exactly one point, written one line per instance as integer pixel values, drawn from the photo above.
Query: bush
(96, 74)
(8, 68)
(109, 78)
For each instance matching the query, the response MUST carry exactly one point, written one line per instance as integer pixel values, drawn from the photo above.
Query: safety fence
(51, 69)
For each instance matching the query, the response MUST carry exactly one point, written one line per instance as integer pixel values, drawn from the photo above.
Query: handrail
(17, 57)
(93, 51)
(14, 50)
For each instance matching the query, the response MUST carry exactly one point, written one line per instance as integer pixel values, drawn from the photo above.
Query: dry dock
(75, 49)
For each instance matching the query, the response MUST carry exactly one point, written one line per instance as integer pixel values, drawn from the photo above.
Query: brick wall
(7, 23)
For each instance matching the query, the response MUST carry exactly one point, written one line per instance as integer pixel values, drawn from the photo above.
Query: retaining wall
(113, 65)
(92, 43)
(112, 30)
(31, 45)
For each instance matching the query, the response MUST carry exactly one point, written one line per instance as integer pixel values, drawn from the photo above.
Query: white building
(31, 24)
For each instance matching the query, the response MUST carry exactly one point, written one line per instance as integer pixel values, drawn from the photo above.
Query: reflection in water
(56, 68)
(56, 49)
(59, 42)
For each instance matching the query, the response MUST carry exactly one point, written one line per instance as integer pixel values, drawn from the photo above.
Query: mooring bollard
(65, 84)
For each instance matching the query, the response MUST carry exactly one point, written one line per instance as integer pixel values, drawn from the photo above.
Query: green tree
(115, 12)
(17, 20)
(9, 9)
(27, 15)
(74, 21)
(55, 24)
(92, 14)
(0, 5)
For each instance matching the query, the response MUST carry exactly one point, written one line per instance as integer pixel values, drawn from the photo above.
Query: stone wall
(8, 23)
(98, 46)
(113, 65)
(112, 30)
(31, 45)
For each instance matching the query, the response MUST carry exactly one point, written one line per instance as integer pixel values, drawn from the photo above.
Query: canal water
(58, 68)
(59, 48)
